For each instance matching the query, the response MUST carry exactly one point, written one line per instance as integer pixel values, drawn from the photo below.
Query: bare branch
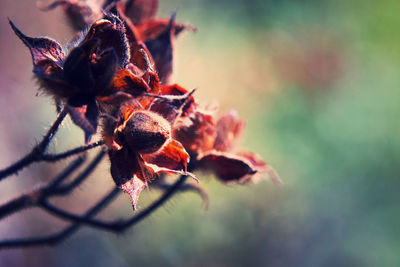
(55, 238)
(69, 153)
(37, 151)
(119, 225)
(31, 199)
(54, 188)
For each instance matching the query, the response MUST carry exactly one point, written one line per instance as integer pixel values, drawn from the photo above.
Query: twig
(55, 238)
(69, 153)
(29, 200)
(37, 151)
(40, 195)
(116, 226)
(67, 188)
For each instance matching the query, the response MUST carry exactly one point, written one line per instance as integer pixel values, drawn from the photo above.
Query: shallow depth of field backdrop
(319, 85)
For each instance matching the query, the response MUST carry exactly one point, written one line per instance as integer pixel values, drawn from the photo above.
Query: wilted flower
(119, 72)
(141, 148)
(212, 147)
(85, 73)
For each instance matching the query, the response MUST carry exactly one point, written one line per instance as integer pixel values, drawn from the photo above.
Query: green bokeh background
(318, 83)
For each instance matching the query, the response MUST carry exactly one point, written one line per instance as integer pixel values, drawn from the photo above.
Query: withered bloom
(85, 73)
(119, 72)
(157, 35)
(212, 147)
(141, 148)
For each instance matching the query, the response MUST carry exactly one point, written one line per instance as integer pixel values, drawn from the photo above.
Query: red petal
(127, 82)
(172, 156)
(228, 167)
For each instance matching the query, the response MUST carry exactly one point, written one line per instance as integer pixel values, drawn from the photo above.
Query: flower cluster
(115, 81)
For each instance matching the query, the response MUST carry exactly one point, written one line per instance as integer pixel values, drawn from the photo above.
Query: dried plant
(114, 84)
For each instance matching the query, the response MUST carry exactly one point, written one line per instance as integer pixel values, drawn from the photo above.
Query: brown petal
(42, 49)
(229, 130)
(126, 81)
(229, 168)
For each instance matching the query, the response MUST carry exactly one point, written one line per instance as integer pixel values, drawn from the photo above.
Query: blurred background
(318, 83)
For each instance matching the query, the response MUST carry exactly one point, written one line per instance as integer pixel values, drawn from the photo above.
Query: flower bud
(144, 132)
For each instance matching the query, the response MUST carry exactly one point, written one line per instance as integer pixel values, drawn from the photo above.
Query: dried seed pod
(144, 132)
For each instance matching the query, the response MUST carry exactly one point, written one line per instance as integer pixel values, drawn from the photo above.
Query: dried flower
(141, 148)
(86, 73)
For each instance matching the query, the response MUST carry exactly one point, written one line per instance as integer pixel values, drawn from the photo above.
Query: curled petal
(126, 81)
(229, 168)
(172, 156)
(42, 49)
(229, 130)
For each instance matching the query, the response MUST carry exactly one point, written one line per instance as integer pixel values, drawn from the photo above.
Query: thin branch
(120, 225)
(67, 188)
(37, 151)
(31, 199)
(72, 152)
(54, 188)
(60, 236)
